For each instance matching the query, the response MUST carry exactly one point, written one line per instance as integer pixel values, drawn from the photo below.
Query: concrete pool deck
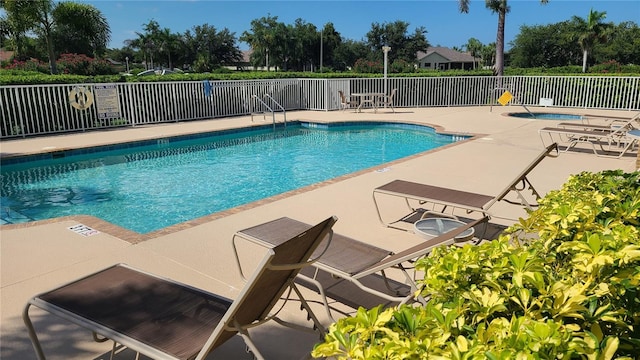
(40, 256)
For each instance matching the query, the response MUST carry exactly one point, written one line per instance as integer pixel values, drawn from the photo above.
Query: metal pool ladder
(273, 113)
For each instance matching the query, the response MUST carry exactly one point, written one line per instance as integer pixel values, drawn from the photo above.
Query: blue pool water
(546, 116)
(168, 181)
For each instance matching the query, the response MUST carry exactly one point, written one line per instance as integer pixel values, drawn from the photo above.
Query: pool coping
(54, 152)
(135, 237)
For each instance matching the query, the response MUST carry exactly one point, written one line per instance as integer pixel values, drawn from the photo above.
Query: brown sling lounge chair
(164, 319)
(349, 259)
(451, 199)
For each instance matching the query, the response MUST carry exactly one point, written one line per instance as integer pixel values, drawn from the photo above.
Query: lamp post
(386, 50)
(127, 60)
(321, 47)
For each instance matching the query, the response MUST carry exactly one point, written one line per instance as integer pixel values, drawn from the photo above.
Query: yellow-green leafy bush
(560, 284)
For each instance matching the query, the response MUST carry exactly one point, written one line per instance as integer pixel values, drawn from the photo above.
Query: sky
(445, 25)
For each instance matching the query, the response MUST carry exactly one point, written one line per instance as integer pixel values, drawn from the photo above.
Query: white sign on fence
(546, 101)
(107, 101)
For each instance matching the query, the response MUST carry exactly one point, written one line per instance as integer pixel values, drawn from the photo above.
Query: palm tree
(15, 24)
(592, 31)
(82, 24)
(262, 39)
(488, 53)
(41, 13)
(24, 16)
(473, 46)
(168, 45)
(45, 17)
(501, 8)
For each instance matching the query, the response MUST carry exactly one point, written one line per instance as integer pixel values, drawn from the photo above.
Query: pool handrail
(284, 112)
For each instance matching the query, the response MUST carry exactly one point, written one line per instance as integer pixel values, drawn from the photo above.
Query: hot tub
(545, 116)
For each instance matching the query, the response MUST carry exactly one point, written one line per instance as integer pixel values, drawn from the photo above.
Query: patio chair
(424, 195)
(350, 259)
(164, 319)
(346, 102)
(608, 142)
(387, 100)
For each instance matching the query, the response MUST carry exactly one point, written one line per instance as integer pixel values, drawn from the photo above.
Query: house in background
(5, 55)
(442, 58)
(244, 63)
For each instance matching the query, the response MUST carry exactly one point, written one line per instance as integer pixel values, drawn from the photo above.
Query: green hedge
(560, 284)
(16, 77)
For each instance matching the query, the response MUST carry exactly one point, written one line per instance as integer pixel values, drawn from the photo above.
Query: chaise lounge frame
(451, 199)
(609, 140)
(612, 143)
(165, 319)
(350, 259)
(611, 124)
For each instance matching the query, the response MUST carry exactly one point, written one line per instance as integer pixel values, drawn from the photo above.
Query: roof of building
(449, 54)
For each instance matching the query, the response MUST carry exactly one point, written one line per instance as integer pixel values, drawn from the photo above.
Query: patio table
(435, 226)
(370, 98)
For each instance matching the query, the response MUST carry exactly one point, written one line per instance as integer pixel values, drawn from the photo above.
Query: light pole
(127, 60)
(321, 47)
(386, 50)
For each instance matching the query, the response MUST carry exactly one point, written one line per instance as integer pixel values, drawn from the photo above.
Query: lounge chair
(451, 199)
(612, 124)
(349, 259)
(387, 100)
(346, 102)
(164, 319)
(612, 142)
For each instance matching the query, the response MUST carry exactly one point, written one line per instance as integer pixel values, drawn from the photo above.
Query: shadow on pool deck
(37, 257)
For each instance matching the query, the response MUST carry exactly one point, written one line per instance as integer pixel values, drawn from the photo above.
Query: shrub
(222, 70)
(401, 66)
(201, 64)
(68, 64)
(79, 64)
(31, 65)
(560, 284)
(367, 66)
(560, 70)
(610, 66)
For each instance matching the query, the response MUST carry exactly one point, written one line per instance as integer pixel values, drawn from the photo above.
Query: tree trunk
(499, 70)
(584, 60)
(52, 56)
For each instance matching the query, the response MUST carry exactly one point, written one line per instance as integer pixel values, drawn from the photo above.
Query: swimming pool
(153, 184)
(545, 116)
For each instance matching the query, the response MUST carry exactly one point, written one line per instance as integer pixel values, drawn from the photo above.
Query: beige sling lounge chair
(612, 142)
(450, 199)
(349, 259)
(164, 319)
(610, 124)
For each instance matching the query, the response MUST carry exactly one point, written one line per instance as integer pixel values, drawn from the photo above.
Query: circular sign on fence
(80, 97)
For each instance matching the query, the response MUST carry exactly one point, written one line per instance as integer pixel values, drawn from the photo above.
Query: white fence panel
(46, 109)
